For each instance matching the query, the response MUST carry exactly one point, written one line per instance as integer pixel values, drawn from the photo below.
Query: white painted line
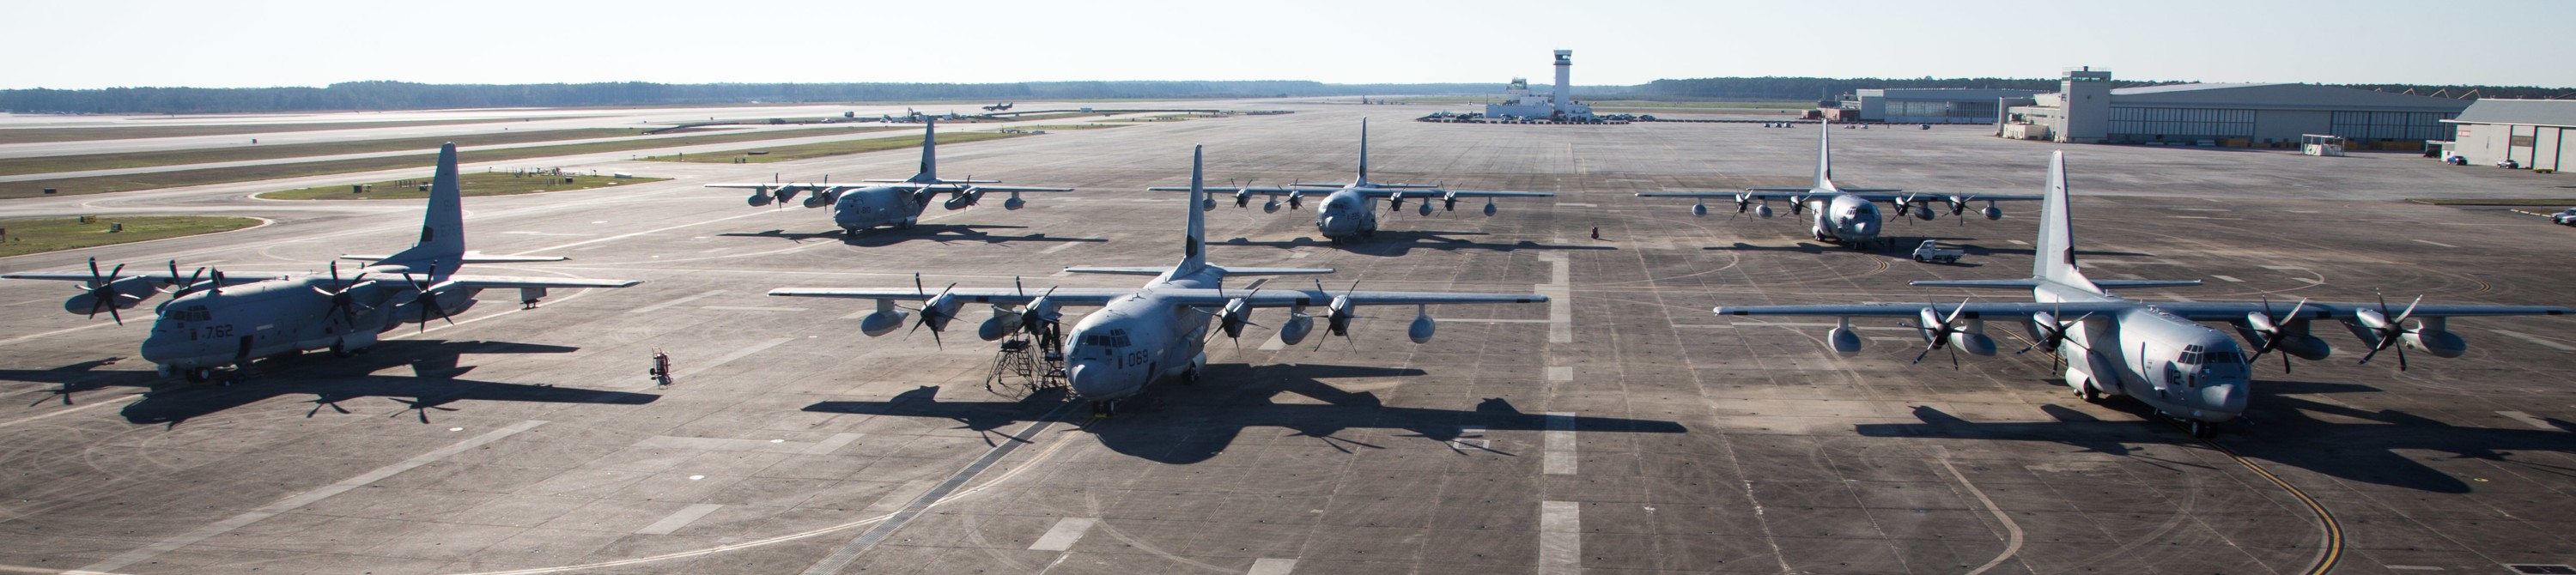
(2311, 281)
(2527, 419)
(2018, 242)
(2012, 531)
(1067, 531)
(1059, 247)
(1572, 205)
(1742, 324)
(1560, 373)
(863, 312)
(2435, 243)
(755, 348)
(1268, 566)
(1560, 443)
(1560, 538)
(300, 500)
(1275, 344)
(679, 519)
(753, 308)
(2411, 568)
(146, 320)
(2535, 340)
(624, 236)
(1560, 298)
(2204, 209)
(2227, 278)
(2174, 296)
(2286, 268)
(1479, 320)
(669, 303)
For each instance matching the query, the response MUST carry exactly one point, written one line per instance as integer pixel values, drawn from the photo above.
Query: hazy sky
(70, 44)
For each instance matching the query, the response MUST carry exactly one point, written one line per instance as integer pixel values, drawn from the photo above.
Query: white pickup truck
(2566, 217)
(1931, 251)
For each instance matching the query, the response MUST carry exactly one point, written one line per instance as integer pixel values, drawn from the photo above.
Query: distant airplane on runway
(896, 203)
(1349, 212)
(2157, 352)
(1843, 215)
(231, 319)
(1157, 331)
(998, 107)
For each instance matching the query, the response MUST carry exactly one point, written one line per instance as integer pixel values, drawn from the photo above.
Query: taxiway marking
(1560, 373)
(1062, 537)
(2535, 340)
(755, 348)
(145, 320)
(2527, 419)
(679, 519)
(1560, 443)
(1560, 537)
(847, 552)
(1275, 344)
(2435, 243)
(763, 445)
(1059, 247)
(1559, 290)
(1569, 205)
(1268, 566)
(298, 501)
(749, 308)
(2411, 568)
(629, 235)
(2226, 278)
(673, 302)
(1479, 320)
(2012, 531)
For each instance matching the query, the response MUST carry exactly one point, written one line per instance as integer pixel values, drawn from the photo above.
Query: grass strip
(472, 184)
(28, 236)
(155, 180)
(50, 164)
(821, 149)
(42, 135)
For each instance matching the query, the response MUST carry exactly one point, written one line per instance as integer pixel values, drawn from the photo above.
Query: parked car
(2566, 217)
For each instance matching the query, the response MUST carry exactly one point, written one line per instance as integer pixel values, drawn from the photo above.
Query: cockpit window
(194, 313)
(1116, 338)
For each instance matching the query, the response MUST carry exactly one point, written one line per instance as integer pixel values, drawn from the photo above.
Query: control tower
(1564, 82)
(1559, 105)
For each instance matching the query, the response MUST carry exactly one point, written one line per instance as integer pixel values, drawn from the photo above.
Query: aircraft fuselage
(2180, 367)
(1114, 353)
(1346, 214)
(210, 328)
(1845, 218)
(866, 208)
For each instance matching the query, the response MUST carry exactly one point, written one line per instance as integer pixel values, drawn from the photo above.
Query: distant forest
(1804, 89)
(382, 95)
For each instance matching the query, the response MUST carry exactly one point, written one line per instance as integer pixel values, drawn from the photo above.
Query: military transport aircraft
(1160, 330)
(2157, 352)
(1843, 215)
(219, 318)
(1349, 212)
(897, 203)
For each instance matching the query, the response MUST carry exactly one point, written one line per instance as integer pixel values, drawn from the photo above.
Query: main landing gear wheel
(1190, 376)
(198, 374)
(1103, 408)
(2090, 393)
(2202, 430)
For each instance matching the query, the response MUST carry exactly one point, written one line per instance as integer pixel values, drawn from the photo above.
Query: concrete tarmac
(1621, 428)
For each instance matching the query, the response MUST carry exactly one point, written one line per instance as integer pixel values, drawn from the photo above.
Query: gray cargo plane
(897, 203)
(1349, 212)
(2157, 352)
(1843, 215)
(221, 318)
(1157, 331)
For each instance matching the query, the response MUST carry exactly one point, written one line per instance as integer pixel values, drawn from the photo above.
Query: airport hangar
(2532, 133)
(1933, 105)
(2086, 109)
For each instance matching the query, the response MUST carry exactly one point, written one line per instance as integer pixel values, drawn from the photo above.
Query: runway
(1621, 428)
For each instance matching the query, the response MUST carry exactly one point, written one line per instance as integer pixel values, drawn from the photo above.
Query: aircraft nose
(1092, 380)
(2225, 397)
(1334, 224)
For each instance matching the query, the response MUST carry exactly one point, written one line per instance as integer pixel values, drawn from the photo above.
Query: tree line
(1809, 88)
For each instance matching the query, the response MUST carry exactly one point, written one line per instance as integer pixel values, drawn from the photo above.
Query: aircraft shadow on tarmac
(943, 233)
(2282, 432)
(331, 381)
(1185, 425)
(1391, 243)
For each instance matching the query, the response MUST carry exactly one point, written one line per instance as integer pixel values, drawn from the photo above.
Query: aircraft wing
(230, 278)
(1989, 310)
(1062, 296)
(1785, 194)
(1439, 193)
(2215, 311)
(1285, 298)
(1813, 190)
(1213, 192)
(495, 282)
(475, 258)
(1925, 198)
(796, 185)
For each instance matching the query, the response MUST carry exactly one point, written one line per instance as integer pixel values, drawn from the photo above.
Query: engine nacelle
(1449, 203)
(758, 198)
(1425, 209)
(1395, 201)
(964, 199)
(1843, 340)
(1763, 210)
(1040, 311)
(1243, 197)
(1699, 209)
(1236, 314)
(1299, 324)
(1338, 316)
(884, 321)
(1489, 207)
(1297, 200)
(1421, 329)
(1014, 202)
(1991, 212)
(939, 311)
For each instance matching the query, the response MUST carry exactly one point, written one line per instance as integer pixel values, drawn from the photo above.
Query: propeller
(1339, 313)
(424, 294)
(2272, 333)
(934, 310)
(2046, 330)
(1236, 313)
(1936, 331)
(341, 301)
(1040, 312)
(178, 288)
(2387, 330)
(102, 294)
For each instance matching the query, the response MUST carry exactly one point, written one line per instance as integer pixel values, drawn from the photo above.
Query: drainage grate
(2544, 569)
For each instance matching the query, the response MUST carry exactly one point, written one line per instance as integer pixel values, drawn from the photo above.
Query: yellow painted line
(2333, 550)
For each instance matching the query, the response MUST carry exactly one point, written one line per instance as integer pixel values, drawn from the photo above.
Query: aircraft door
(243, 354)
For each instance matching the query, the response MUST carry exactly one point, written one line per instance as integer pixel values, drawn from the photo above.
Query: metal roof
(2185, 88)
(2532, 112)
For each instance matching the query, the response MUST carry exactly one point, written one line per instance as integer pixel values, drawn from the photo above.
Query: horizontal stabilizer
(1143, 271)
(2108, 284)
(473, 259)
(1978, 284)
(1243, 271)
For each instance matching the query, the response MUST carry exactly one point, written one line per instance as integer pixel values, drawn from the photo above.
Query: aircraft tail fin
(929, 153)
(2053, 256)
(1824, 155)
(442, 229)
(1363, 150)
(1194, 247)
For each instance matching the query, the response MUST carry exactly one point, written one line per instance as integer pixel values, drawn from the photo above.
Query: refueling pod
(1422, 327)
